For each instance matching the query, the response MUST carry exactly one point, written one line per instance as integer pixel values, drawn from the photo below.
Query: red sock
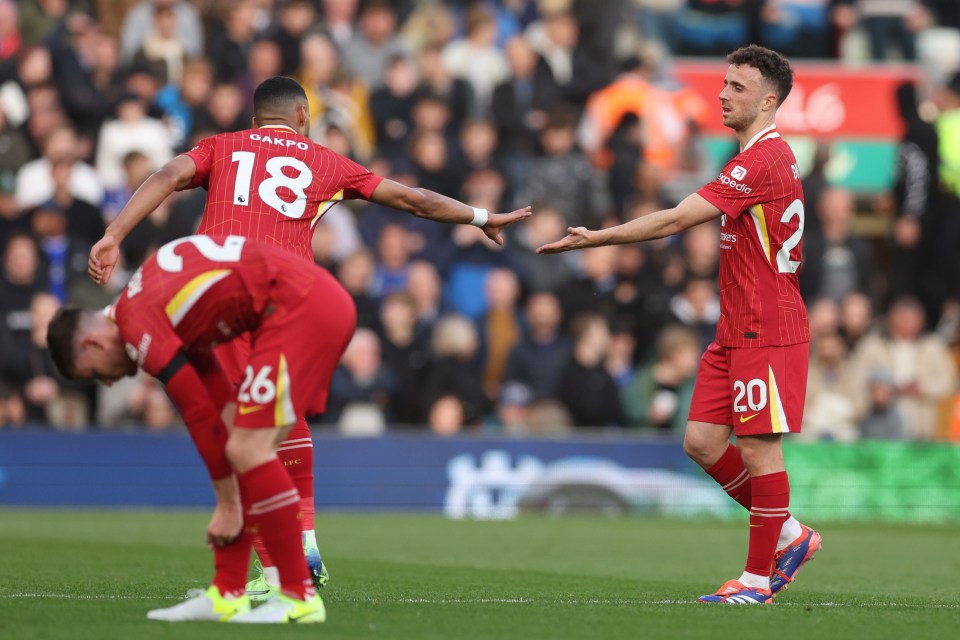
(231, 564)
(732, 476)
(771, 499)
(296, 453)
(271, 507)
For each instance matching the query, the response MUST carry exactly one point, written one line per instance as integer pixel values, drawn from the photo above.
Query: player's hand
(576, 238)
(225, 525)
(103, 258)
(496, 222)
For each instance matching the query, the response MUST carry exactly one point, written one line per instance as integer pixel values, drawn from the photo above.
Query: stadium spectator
(540, 273)
(890, 27)
(516, 110)
(12, 412)
(35, 179)
(499, 327)
(224, 111)
(437, 82)
(139, 20)
(856, 318)
(181, 103)
(356, 273)
(10, 40)
(132, 130)
(543, 350)
(231, 39)
(884, 419)
(294, 18)
(451, 370)
(22, 279)
(477, 59)
(917, 202)
(563, 176)
(798, 28)
(362, 379)
(75, 49)
(593, 289)
(836, 263)
(27, 366)
(391, 106)
(374, 43)
(38, 18)
(424, 287)
(947, 222)
(565, 74)
(446, 416)
(697, 306)
(829, 413)
(405, 352)
(658, 398)
(920, 364)
(584, 384)
(393, 261)
(164, 48)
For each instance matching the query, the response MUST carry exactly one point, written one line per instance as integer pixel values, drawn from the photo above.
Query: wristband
(480, 217)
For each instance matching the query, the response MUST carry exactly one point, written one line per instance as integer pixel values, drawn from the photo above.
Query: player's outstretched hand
(225, 525)
(499, 221)
(103, 258)
(576, 238)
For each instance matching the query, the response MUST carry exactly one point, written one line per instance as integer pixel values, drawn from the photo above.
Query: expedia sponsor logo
(738, 173)
(727, 181)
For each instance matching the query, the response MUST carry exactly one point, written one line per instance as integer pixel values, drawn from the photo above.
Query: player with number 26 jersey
(273, 185)
(760, 195)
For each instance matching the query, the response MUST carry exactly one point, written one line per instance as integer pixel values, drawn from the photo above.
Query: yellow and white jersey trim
(324, 206)
(778, 416)
(283, 413)
(181, 303)
(760, 222)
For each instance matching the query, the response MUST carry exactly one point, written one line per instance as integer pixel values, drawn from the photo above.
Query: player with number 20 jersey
(760, 195)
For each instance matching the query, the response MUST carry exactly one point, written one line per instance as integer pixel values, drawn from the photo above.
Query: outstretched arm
(692, 211)
(173, 176)
(433, 206)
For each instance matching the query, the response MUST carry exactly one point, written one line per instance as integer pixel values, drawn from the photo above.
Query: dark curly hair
(774, 68)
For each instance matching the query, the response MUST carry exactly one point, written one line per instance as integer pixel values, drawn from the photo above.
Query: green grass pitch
(94, 574)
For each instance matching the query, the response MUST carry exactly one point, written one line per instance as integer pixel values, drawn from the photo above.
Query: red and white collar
(763, 134)
(277, 126)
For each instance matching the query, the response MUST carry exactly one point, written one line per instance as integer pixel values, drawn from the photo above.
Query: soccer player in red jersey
(273, 184)
(192, 295)
(752, 379)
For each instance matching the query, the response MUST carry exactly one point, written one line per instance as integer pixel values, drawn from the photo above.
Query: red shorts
(293, 355)
(755, 390)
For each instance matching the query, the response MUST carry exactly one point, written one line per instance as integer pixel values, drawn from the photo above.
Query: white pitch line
(478, 601)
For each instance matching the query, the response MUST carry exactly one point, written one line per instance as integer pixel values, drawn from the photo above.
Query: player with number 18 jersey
(273, 185)
(763, 332)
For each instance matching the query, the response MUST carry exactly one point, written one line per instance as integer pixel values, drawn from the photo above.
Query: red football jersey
(273, 185)
(197, 292)
(760, 195)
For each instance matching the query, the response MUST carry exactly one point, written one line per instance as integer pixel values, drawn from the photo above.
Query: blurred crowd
(567, 105)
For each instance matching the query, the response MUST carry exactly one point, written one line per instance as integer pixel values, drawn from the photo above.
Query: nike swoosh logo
(245, 410)
(748, 418)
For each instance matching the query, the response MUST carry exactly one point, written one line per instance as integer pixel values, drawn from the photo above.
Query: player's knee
(697, 449)
(238, 452)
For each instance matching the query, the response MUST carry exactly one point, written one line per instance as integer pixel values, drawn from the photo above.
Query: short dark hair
(61, 339)
(277, 94)
(774, 68)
